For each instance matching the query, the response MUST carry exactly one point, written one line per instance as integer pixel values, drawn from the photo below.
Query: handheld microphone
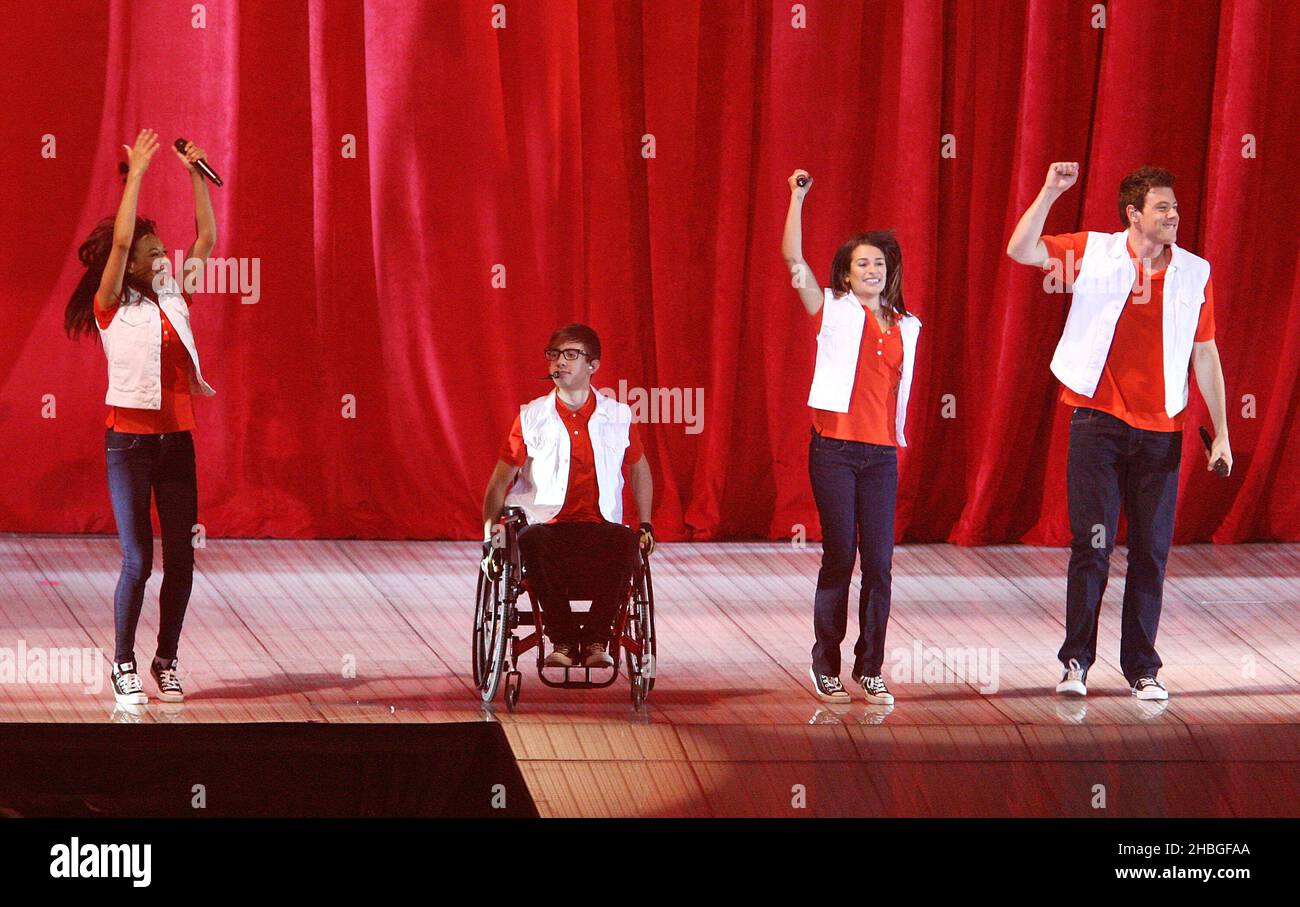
(1220, 465)
(201, 165)
(801, 181)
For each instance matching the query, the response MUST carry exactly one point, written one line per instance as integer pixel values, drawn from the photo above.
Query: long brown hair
(79, 315)
(884, 241)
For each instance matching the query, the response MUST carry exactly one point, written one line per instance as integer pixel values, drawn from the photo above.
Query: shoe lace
(169, 679)
(1073, 671)
(875, 684)
(832, 684)
(129, 682)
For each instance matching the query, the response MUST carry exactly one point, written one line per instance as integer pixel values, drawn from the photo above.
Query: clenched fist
(1061, 176)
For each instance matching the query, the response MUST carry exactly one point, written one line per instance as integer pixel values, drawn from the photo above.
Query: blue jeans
(1111, 462)
(138, 466)
(855, 486)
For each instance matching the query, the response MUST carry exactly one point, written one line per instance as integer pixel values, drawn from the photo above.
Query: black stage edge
(914, 860)
(291, 769)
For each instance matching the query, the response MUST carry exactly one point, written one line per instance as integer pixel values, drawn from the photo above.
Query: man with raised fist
(1143, 309)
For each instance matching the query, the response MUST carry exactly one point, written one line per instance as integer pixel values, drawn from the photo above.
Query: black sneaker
(127, 688)
(877, 692)
(828, 688)
(1149, 688)
(1074, 681)
(169, 682)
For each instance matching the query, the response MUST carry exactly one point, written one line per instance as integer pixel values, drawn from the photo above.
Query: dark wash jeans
(1111, 462)
(594, 560)
(855, 486)
(138, 466)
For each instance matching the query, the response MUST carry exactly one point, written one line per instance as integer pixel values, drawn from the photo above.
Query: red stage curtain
(523, 147)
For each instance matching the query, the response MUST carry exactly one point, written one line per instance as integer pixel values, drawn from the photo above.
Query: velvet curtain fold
(624, 164)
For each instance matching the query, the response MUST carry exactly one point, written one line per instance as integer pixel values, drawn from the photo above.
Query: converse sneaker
(828, 688)
(877, 692)
(127, 688)
(1149, 688)
(561, 656)
(169, 682)
(595, 656)
(1075, 680)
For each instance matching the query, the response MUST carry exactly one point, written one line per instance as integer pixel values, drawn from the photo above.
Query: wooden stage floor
(731, 728)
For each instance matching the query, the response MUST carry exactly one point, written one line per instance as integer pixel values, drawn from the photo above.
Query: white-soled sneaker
(877, 692)
(561, 656)
(127, 688)
(168, 680)
(827, 688)
(1149, 688)
(1074, 681)
(595, 656)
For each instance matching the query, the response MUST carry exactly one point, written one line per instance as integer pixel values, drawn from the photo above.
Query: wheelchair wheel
(640, 689)
(513, 681)
(641, 668)
(491, 634)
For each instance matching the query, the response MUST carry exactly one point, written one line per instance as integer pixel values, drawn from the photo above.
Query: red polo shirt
(1132, 383)
(177, 410)
(582, 497)
(874, 402)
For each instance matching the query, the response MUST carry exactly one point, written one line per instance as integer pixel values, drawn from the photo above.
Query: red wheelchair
(499, 613)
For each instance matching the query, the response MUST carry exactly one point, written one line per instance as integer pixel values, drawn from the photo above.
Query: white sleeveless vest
(1106, 277)
(133, 347)
(843, 319)
(543, 480)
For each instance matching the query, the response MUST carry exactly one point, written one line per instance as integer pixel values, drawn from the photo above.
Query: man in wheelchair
(563, 464)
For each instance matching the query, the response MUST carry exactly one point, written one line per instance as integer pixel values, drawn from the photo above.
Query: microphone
(1220, 465)
(801, 181)
(201, 165)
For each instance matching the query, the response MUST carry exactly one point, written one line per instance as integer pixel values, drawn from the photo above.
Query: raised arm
(110, 285)
(205, 222)
(1026, 244)
(801, 276)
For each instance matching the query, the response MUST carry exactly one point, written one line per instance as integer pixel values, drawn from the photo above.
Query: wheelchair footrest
(578, 677)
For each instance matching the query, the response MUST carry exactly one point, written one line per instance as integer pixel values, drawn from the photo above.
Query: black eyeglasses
(570, 354)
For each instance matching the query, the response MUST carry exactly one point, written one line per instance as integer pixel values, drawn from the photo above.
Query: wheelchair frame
(497, 615)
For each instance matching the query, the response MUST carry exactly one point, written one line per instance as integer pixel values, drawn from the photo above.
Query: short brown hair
(577, 333)
(1133, 188)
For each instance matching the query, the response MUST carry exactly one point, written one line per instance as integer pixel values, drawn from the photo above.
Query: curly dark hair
(79, 315)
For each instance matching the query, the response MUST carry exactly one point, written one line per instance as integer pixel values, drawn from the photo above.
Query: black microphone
(1220, 465)
(201, 165)
(801, 181)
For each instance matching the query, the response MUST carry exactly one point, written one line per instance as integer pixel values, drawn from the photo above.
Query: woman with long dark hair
(866, 347)
(142, 317)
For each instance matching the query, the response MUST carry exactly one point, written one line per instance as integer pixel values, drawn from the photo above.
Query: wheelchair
(499, 613)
